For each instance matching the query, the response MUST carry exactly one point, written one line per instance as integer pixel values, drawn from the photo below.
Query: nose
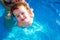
(22, 17)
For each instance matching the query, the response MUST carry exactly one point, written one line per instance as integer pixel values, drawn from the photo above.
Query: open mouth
(22, 19)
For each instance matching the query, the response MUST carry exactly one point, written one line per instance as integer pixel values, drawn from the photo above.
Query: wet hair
(10, 3)
(15, 6)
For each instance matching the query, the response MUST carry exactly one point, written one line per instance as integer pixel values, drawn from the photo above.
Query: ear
(31, 12)
(32, 9)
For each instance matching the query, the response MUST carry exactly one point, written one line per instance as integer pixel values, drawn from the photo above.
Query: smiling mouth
(22, 19)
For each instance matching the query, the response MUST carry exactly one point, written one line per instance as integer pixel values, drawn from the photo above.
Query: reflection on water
(24, 33)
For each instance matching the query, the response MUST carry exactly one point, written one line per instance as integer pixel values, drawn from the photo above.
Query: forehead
(21, 9)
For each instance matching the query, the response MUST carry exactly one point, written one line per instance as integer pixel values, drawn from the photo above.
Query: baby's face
(23, 16)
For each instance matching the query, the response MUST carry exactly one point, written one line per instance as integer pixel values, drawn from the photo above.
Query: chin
(26, 23)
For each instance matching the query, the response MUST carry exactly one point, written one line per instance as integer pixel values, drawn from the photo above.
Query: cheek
(27, 15)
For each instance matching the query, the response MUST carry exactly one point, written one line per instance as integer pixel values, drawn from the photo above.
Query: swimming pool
(46, 22)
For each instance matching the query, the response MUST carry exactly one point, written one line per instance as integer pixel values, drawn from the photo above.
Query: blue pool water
(46, 25)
